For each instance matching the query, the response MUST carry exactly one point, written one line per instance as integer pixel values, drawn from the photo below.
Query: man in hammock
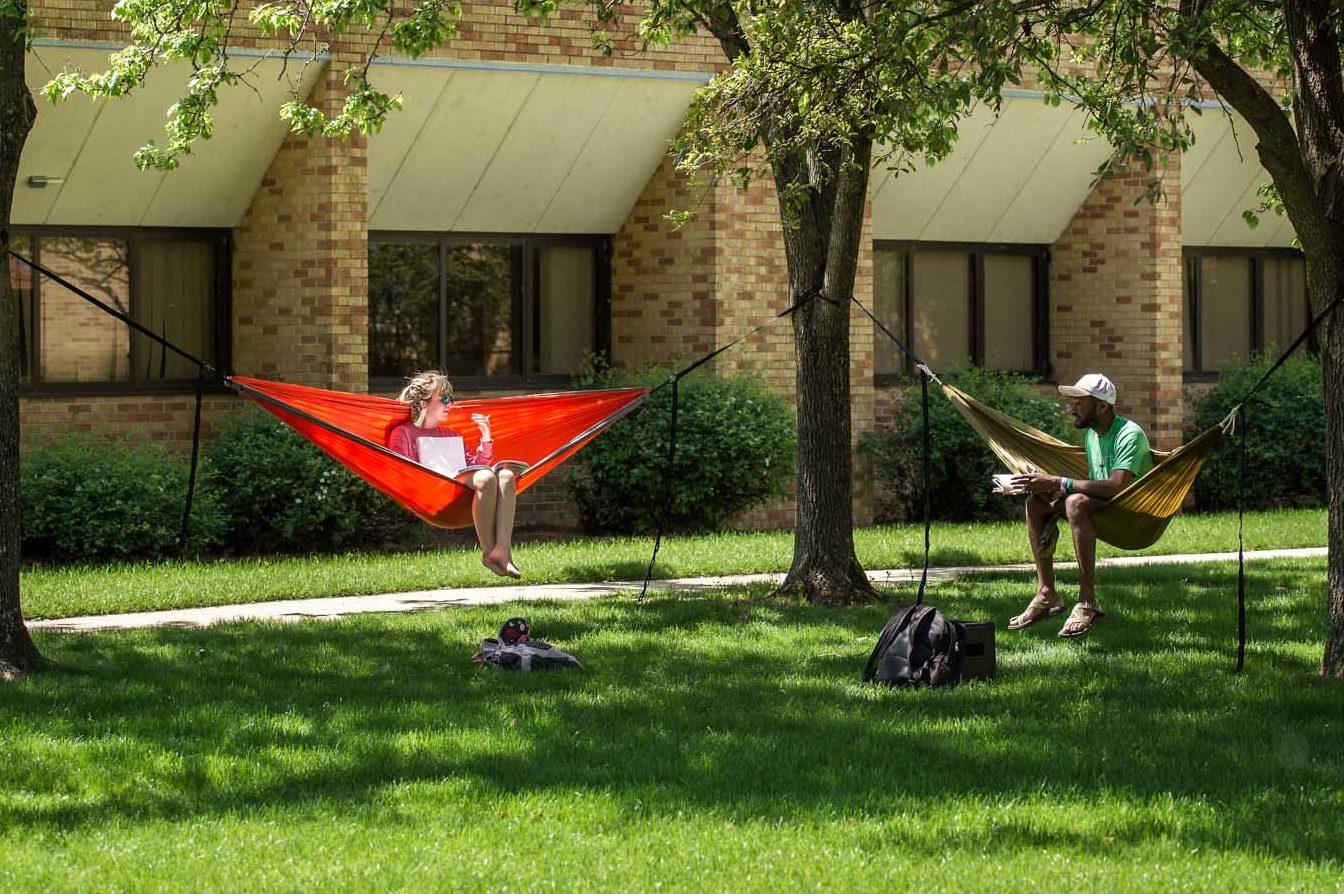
(1117, 453)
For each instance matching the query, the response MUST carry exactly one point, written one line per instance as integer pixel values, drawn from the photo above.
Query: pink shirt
(404, 439)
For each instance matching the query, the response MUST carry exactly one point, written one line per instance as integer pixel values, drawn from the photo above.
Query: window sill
(905, 380)
(480, 385)
(1199, 376)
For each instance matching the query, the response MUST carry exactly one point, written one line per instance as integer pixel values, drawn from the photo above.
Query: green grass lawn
(65, 592)
(715, 741)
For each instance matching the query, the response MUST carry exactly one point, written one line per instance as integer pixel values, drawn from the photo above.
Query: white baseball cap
(1091, 385)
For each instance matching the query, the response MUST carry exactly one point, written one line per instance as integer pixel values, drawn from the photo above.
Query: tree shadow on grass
(732, 704)
(615, 570)
(938, 555)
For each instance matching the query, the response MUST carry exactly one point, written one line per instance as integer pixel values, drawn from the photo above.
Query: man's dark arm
(1106, 489)
(1051, 487)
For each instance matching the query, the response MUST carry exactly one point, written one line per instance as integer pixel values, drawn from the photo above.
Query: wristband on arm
(1066, 484)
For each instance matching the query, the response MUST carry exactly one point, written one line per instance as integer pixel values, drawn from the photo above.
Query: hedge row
(263, 488)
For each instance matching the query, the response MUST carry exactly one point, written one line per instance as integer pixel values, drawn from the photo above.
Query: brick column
(300, 258)
(1117, 299)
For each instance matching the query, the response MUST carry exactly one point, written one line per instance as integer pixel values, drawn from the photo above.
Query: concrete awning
(503, 148)
(519, 149)
(1018, 177)
(1021, 177)
(1219, 178)
(91, 145)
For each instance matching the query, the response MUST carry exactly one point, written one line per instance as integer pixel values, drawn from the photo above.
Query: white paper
(1003, 484)
(448, 456)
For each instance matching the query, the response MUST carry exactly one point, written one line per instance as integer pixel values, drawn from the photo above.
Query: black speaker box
(978, 649)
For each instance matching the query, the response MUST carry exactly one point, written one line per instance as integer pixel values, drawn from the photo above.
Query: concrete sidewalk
(340, 606)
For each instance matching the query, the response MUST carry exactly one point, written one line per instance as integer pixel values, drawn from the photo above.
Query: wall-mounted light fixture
(38, 181)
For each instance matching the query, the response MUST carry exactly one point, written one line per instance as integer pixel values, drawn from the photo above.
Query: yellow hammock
(1136, 517)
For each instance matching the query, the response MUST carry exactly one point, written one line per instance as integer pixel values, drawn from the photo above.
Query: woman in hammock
(492, 509)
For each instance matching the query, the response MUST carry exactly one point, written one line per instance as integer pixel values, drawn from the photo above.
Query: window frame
(525, 298)
(1192, 283)
(133, 236)
(975, 257)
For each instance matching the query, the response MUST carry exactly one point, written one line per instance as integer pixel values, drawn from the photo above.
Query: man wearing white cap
(1117, 453)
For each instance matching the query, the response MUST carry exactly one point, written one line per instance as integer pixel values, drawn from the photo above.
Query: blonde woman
(493, 507)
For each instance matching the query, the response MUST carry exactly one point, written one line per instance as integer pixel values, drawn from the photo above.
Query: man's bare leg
(1079, 508)
(502, 556)
(1040, 514)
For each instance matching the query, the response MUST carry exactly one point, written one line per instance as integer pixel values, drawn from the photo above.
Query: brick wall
(300, 259)
(489, 30)
(1117, 299)
(663, 308)
(130, 419)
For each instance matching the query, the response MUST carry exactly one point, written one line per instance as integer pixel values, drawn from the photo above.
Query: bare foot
(501, 563)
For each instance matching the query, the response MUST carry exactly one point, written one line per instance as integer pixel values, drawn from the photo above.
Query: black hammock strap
(675, 384)
(202, 370)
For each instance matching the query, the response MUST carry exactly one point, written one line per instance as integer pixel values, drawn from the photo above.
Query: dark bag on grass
(528, 656)
(918, 647)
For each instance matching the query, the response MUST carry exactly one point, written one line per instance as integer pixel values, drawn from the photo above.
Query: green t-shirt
(1124, 446)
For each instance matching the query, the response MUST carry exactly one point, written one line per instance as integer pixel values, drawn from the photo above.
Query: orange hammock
(541, 430)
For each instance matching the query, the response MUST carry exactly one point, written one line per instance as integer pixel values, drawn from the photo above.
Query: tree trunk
(1305, 164)
(823, 251)
(1319, 115)
(18, 655)
(1332, 362)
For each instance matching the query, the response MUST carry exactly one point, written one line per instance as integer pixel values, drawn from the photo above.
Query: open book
(1003, 483)
(448, 456)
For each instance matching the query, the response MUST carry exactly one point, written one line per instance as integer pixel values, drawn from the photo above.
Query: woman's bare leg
(502, 554)
(484, 507)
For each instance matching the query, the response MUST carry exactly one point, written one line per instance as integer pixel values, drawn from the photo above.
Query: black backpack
(919, 646)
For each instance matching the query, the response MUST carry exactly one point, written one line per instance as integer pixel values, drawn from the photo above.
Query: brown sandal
(1038, 609)
(1077, 617)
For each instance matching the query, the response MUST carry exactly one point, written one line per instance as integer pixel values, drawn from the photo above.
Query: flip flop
(1095, 615)
(1037, 617)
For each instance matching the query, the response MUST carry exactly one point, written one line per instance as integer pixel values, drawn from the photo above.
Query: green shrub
(962, 462)
(87, 501)
(280, 493)
(1285, 440)
(735, 451)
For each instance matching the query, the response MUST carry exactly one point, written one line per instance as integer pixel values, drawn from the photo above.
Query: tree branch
(1278, 146)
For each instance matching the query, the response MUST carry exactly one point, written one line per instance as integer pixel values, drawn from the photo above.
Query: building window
(954, 303)
(173, 282)
(1241, 302)
(486, 310)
